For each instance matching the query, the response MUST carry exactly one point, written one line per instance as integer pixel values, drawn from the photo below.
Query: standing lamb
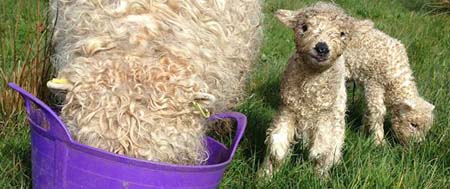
(380, 64)
(312, 89)
(132, 70)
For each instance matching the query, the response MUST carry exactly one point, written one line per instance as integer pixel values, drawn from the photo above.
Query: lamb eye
(343, 34)
(415, 125)
(305, 27)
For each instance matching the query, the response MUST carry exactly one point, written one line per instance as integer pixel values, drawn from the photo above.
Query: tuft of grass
(15, 154)
(24, 52)
(425, 165)
(431, 6)
(442, 4)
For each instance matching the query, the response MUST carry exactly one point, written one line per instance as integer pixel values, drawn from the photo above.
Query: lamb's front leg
(376, 110)
(280, 136)
(326, 145)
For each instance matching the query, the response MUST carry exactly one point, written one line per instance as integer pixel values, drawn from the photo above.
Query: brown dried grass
(443, 4)
(24, 54)
(440, 6)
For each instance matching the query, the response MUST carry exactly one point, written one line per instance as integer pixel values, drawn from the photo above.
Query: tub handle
(241, 120)
(56, 128)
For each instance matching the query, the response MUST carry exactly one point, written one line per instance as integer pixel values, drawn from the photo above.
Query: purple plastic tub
(60, 162)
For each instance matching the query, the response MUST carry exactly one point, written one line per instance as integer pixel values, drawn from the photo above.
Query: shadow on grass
(355, 114)
(355, 103)
(259, 119)
(270, 93)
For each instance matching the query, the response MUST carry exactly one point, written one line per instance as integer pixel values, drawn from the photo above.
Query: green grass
(22, 60)
(427, 165)
(15, 163)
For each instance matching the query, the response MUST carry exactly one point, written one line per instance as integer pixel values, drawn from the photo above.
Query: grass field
(425, 32)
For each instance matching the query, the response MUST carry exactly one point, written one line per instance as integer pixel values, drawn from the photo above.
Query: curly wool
(313, 92)
(137, 65)
(380, 63)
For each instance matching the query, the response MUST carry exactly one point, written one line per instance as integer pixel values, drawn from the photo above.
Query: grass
(23, 60)
(427, 38)
(23, 51)
(436, 6)
(425, 33)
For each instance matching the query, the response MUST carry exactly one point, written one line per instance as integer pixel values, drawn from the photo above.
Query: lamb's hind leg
(280, 136)
(376, 110)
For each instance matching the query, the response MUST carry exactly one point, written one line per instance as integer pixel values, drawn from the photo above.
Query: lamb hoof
(321, 173)
(266, 171)
(379, 142)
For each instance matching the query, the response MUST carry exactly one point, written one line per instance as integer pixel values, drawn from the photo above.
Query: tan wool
(136, 66)
(380, 63)
(312, 89)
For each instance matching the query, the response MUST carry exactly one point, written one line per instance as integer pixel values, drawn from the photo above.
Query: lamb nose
(322, 48)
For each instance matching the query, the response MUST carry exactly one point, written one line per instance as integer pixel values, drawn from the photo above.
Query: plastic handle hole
(37, 116)
(223, 130)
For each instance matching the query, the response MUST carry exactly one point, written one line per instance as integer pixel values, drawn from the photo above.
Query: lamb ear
(406, 105)
(287, 17)
(362, 26)
(429, 105)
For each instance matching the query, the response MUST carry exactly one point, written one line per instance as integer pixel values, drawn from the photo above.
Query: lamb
(312, 89)
(380, 63)
(134, 68)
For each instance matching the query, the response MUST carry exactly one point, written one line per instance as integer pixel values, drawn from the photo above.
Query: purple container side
(60, 162)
